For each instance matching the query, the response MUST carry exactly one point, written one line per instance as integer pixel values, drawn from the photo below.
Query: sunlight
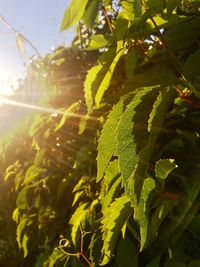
(8, 83)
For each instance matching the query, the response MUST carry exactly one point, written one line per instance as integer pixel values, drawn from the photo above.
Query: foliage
(126, 94)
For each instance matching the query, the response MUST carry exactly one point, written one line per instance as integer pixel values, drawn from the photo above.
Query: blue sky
(39, 21)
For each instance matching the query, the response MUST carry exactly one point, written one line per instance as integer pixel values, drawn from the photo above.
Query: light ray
(4, 100)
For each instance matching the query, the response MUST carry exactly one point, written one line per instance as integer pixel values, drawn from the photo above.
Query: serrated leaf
(68, 113)
(158, 113)
(111, 174)
(95, 76)
(132, 135)
(164, 167)
(107, 78)
(142, 212)
(73, 13)
(109, 197)
(77, 222)
(114, 218)
(88, 85)
(107, 142)
(95, 247)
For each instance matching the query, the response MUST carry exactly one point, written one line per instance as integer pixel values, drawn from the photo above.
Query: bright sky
(39, 21)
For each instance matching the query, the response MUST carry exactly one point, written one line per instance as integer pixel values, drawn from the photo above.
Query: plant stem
(17, 33)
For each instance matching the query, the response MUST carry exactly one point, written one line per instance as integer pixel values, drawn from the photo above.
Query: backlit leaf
(73, 13)
(114, 218)
(164, 167)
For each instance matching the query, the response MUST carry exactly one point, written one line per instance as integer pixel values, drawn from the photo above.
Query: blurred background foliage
(108, 173)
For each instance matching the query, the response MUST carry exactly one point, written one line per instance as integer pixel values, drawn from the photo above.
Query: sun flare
(8, 82)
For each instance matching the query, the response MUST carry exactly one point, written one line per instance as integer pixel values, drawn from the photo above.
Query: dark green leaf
(126, 255)
(164, 167)
(91, 13)
(114, 218)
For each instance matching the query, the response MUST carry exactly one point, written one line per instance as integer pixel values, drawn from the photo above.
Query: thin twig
(164, 43)
(107, 18)
(18, 33)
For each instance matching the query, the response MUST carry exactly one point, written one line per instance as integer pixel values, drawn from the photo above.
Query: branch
(107, 18)
(17, 33)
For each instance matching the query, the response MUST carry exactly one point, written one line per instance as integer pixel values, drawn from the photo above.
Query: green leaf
(155, 6)
(142, 211)
(91, 77)
(39, 158)
(56, 256)
(107, 78)
(130, 9)
(77, 196)
(95, 247)
(178, 39)
(107, 142)
(112, 193)
(153, 77)
(25, 245)
(174, 263)
(95, 76)
(114, 218)
(73, 13)
(98, 41)
(126, 255)
(77, 222)
(130, 63)
(164, 167)
(68, 113)
(91, 13)
(158, 113)
(33, 172)
(163, 208)
(171, 5)
(21, 201)
(132, 135)
(20, 231)
(111, 174)
(155, 262)
(192, 69)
